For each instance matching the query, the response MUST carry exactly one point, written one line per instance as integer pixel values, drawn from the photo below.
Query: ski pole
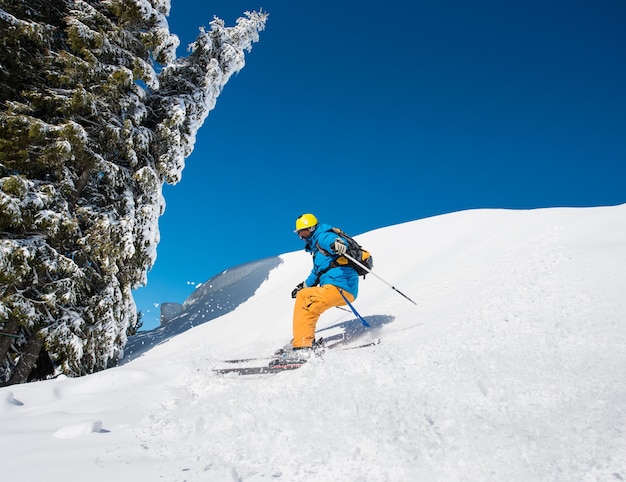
(372, 273)
(363, 322)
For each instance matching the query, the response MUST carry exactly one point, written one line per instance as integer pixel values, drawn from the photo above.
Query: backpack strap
(334, 263)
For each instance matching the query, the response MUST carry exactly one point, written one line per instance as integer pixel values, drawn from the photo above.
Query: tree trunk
(81, 183)
(10, 328)
(27, 361)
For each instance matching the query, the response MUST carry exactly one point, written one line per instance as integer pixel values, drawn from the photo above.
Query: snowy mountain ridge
(511, 367)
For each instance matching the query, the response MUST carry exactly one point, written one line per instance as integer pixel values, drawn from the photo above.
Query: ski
(258, 370)
(371, 343)
(274, 366)
(325, 347)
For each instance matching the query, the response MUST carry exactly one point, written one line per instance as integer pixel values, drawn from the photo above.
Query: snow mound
(7, 399)
(79, 428)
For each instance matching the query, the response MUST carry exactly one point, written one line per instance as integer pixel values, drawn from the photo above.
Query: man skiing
(328, 285)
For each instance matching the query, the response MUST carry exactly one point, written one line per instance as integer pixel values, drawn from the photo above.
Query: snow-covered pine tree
(96, 114)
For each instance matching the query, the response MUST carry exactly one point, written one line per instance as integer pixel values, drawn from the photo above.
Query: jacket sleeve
(311, 280)
(326, 241)
(320, 264)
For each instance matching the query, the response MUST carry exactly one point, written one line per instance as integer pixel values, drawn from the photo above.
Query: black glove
(294, 293)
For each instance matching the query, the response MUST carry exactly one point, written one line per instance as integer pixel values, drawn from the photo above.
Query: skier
(327, 285)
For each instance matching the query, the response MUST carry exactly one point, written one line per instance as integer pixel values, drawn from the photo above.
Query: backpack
(355, 251)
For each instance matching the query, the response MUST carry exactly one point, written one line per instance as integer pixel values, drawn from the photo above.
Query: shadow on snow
(352, 330)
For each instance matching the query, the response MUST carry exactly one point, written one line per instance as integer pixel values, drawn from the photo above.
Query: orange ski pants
(310, 304)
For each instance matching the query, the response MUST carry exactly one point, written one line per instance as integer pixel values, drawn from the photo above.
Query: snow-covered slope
(510, 367)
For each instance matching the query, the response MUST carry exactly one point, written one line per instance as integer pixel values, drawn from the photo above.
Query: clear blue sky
(370, 114)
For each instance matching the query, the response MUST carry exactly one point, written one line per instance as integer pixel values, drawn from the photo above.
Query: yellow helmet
(305, 221)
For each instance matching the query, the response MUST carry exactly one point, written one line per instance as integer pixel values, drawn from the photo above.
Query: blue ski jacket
(319, 244)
